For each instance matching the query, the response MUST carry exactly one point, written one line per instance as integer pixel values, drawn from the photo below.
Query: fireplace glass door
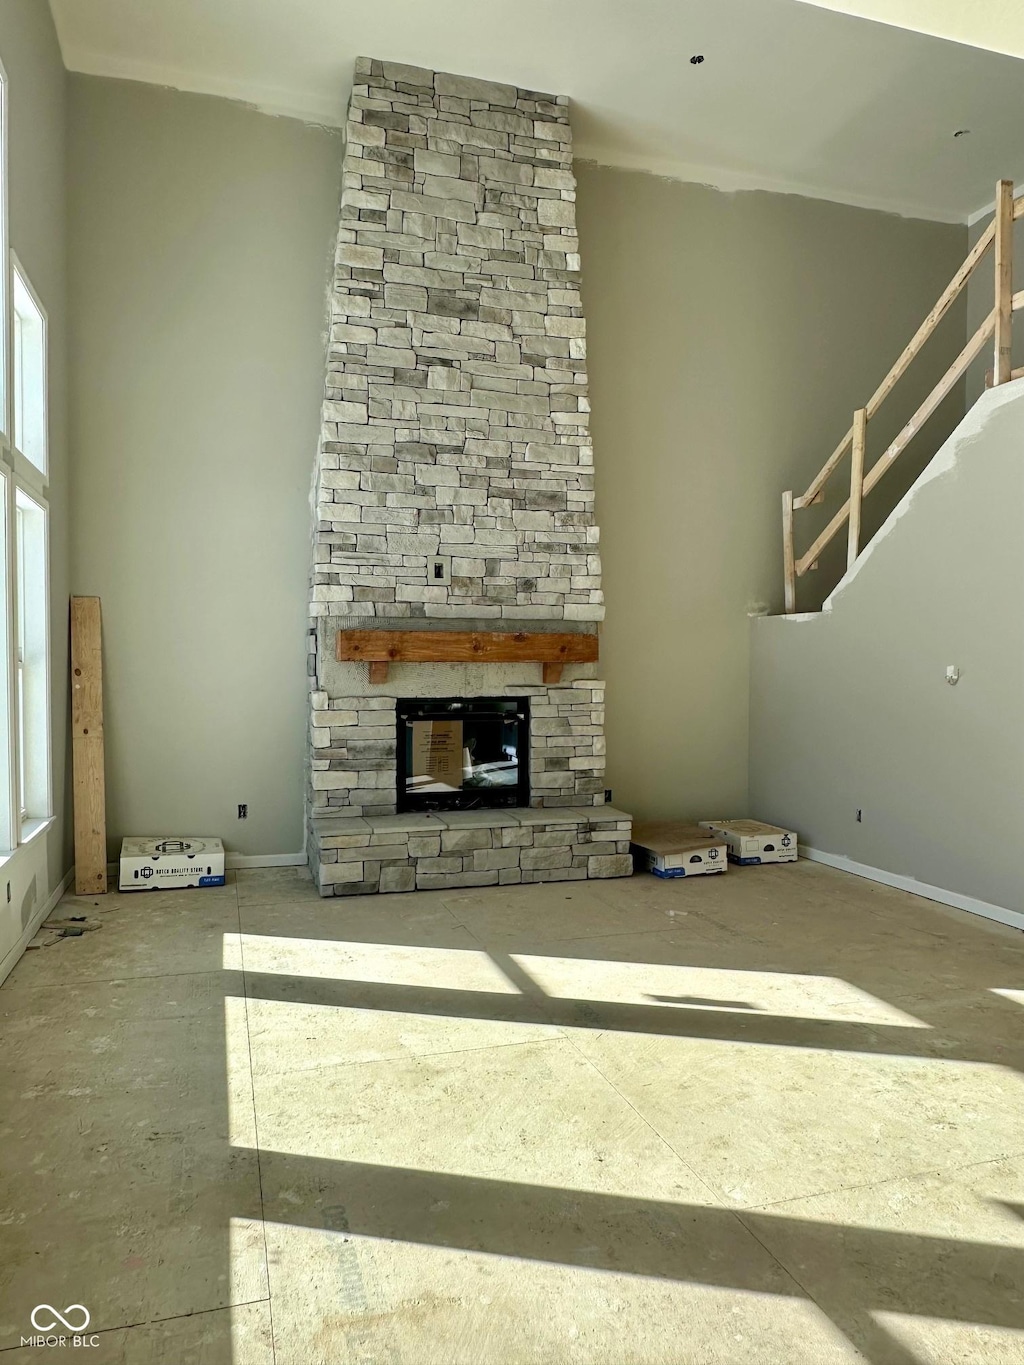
(463, 753)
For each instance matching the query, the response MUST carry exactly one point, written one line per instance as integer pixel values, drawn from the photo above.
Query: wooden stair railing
(997, 327)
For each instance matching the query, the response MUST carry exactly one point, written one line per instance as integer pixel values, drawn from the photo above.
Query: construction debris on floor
(56, 929)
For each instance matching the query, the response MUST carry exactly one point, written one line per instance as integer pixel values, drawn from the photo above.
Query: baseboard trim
(241, 860)
(931, 893)
(32, 928)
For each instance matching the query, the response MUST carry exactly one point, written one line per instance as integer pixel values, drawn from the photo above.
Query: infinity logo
(60, 1317)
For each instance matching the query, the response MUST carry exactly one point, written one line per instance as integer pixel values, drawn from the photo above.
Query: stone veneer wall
(455, 428)
(456, 413)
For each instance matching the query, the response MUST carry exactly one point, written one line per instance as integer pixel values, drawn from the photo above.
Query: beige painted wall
(730, 338)
(851, 709)
(36, 93)
(201, 240)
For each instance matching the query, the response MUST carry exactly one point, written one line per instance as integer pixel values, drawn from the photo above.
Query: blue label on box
(211, 881)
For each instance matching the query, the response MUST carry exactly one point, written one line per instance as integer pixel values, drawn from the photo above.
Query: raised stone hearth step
(351, 855)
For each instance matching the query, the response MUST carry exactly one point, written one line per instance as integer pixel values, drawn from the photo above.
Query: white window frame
(10, 828)
(5, 273)
(24, 462)
(32, 655)
(20, 478)
(18, 472)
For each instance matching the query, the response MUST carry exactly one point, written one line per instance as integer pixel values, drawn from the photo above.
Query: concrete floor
(771, 1118)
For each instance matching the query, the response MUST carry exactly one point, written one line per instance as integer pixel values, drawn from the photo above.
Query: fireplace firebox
(463, 753)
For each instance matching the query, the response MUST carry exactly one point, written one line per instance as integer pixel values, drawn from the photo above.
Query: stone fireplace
(454, 484)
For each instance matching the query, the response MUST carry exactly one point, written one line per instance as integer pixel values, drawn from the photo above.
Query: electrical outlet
(243, 812)
(860, 817)
(608, 795)
(439, 573)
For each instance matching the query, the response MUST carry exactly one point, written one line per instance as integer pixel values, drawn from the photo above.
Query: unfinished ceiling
(789, 96)
(995, 24)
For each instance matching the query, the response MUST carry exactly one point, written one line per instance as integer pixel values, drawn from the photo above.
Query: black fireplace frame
(459, 708)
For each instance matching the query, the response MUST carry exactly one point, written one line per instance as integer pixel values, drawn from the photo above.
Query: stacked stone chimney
(454, 483)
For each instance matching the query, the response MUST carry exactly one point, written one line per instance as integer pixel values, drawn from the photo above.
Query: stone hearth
(454, 480)
(469, 848)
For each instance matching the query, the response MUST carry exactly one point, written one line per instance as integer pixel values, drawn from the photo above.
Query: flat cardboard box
(670, 848)
(166, 864)
(751, 841)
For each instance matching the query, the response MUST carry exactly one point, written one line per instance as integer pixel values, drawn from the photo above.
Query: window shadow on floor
(878, 1270)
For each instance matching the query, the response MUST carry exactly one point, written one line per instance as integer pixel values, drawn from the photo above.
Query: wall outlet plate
(439, 571)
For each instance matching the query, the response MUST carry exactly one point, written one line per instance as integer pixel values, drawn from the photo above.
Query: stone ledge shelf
(379, 648)
(353, 856)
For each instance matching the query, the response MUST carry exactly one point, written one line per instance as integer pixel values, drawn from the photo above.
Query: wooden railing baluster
(788, 568)
(860, 441)
(1004, 282)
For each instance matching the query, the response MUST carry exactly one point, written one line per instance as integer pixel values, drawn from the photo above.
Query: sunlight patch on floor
(304, 1036)
(386, 963)
(645, 983)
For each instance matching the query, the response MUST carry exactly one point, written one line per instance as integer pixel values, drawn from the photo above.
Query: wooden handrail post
(788, 560)
(860, 441)
(1004, 282)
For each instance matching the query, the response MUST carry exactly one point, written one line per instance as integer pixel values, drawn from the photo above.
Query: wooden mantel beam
(380, 648)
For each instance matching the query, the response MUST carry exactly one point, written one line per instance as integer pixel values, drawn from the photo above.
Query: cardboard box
(438, 758)
(669, 848)
(750, 842)
(164, 864)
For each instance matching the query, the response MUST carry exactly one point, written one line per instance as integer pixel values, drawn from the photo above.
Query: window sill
(30, 831)
(32, 826)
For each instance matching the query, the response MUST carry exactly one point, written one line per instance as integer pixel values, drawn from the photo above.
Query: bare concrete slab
(773, 1117)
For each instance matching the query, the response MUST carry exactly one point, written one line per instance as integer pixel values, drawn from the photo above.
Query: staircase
(997, 328)
(888, 728)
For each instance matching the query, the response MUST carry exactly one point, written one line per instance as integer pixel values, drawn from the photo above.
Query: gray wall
(36, 93)
(850, 709)
(730, 338)
(201, 242)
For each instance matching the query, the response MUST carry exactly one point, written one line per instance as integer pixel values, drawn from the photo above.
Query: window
(9, 828)
(29, 372)
(32, 683)
(4, 341)
(27, 566)
(25, 788)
